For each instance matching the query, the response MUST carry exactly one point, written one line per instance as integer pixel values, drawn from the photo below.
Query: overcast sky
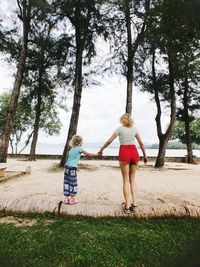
(101, 106)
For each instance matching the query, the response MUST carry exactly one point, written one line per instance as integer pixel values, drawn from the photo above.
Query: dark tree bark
(4, 142)
(38, 110)
(187, 122)
(11, 144)
(129, 76)
(36, 127)
(164, 137)
(132, 49)
(77, 95)
(27, 142)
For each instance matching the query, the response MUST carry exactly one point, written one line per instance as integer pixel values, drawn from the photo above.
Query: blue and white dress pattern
(70, 181)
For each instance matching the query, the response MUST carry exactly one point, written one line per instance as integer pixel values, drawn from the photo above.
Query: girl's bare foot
(72, 201)
(66, 200)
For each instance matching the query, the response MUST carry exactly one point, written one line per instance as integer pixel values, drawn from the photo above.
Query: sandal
(133, 208)
(66, 201)
(125, 210)
(72, 202)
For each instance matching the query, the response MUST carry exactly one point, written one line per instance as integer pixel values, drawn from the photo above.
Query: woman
(128, 158)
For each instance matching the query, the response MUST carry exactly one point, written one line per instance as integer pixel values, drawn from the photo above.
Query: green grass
(81, 241)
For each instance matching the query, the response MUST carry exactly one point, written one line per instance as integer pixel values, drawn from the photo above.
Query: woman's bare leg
(133, 185)
(125, 174)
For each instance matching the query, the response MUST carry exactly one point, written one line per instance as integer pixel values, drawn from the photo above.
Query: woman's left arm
(142, 147)
(108, 142)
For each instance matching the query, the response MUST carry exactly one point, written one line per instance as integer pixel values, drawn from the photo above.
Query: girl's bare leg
(133, 184)
(125, 174)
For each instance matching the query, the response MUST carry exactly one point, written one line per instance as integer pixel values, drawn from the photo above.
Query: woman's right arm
(108, 142)
(142, 147)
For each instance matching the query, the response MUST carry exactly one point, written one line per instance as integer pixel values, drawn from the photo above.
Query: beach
(100, 183)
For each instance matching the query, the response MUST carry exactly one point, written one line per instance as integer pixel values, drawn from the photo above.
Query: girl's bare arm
(88, 154)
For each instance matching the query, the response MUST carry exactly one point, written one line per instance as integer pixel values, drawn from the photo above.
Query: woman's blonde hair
(126, 120)
(76, 140)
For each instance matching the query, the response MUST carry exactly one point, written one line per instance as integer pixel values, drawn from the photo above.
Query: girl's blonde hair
(76, 140)
(126, 120)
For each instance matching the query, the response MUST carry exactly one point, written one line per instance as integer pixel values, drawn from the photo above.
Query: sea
(57, 149)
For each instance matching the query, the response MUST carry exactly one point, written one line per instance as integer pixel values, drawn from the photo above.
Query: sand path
(100, 183)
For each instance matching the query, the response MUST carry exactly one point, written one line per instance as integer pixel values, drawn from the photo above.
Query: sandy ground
(100, 183)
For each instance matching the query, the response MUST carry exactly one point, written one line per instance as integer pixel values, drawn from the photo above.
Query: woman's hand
(108, 142)
(100, 153)
(145, 159)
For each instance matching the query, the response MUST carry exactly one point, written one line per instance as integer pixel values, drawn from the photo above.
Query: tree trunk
(161, 152)
(190, 159)
(4, 142)
(132, 49)
(187, 123)
(17, 140)
(11, 144)
(15, 148)
(160, 160)
(27, 142)
(36, 127)
(129, 76)
(77, 96)
(164, 138)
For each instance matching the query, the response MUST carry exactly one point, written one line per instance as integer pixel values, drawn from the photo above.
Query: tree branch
(20, 9)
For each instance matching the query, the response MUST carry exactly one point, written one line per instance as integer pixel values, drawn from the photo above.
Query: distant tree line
(155, 44)
(173, 145)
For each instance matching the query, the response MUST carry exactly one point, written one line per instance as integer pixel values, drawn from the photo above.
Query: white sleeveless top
(126, 135)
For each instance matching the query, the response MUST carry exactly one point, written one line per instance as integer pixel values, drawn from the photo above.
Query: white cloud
(6, 71)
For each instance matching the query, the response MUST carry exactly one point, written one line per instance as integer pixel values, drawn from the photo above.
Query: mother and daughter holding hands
(128, 161)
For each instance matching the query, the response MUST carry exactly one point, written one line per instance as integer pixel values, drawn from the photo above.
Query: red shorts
(128, 154)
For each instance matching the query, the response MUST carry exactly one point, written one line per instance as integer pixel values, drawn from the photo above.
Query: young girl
(70, 174)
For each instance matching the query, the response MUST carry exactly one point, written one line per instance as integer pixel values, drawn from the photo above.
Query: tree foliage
(22, 122)
(194, 131)
(171, 37)
(157, 41)
(85, 19)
